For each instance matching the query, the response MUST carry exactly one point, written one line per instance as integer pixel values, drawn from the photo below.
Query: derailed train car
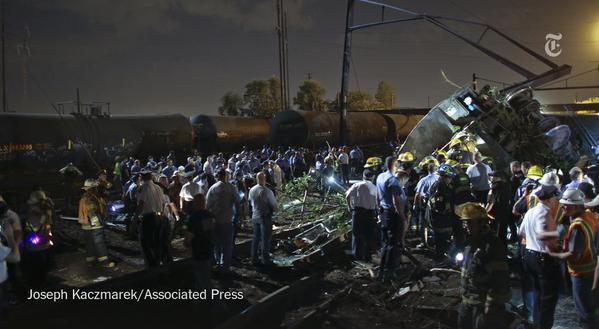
(315, 129)
(507, 126)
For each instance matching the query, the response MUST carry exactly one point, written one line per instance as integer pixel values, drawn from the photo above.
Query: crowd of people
(457, 202)
(476, 214)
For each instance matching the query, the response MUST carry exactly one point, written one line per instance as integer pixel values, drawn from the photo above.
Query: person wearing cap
(479, 174)
(154, 234)
(580, 254)
(441, 207)
(541, 272)
(533, 175)
(392, 217)
(174, 189)
(92, 211)
(484, 283)
(362, 204)
(222, 200)
(499, 207)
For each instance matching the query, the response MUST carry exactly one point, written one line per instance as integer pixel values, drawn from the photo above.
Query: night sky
(151, 56)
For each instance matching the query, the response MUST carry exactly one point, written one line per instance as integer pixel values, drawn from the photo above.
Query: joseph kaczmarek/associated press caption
(134, 295)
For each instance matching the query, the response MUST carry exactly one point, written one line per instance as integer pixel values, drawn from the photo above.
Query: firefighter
(579, 254)
(406, 163)
(374, 165)
(92, 211)
(442, 210)
(457, 152)
(484, 283)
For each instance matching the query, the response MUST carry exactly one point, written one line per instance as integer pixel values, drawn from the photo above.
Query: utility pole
(3, 18)
(349, 21)
(286, 59)
(281, 54)
(78, 102)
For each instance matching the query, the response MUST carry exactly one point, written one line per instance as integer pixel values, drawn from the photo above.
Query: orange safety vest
(588, 224)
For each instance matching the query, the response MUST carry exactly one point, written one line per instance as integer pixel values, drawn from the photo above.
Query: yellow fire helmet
(451, 162)
(427, 160)
(373, 162)
(470, 145)
(406, 157)
(455, 142)
(535, 172)
(440, 152)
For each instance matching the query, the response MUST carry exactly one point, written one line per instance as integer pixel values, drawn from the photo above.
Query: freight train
(33, 147)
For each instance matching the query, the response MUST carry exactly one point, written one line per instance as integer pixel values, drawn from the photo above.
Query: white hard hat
(572, 196)
(550, 179)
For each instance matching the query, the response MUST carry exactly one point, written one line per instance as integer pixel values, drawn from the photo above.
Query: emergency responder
(541, 271)
(392, 217)
(461, 184)
(479, 174)
(499, 207)
(92, 211)
(440, 155)
(38, 237)
(485, 276)
(374, 165)
(579, 254)
(362, 204)
(406, 163)
(421, 198)
(533, 175)
(154, 234)
(442, 210)
(462, 193)
(457, 152)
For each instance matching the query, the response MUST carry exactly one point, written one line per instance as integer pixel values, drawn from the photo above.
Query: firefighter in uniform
(484, 285)
(374, 165)
(442, 210)
(462, 193)
(92, 210)
(406, 163)
(458, 153)
(580, 254)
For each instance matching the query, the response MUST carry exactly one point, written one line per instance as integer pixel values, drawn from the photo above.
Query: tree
(261, 98)
(359, 100)
(232, 104)
(310, 97)
(385, 95)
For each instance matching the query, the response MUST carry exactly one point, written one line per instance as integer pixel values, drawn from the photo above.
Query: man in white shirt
(344, 162)
(541, 271)
(480, 180)
(151, 203)
(188, 192)
(264, 205)
(362, 203)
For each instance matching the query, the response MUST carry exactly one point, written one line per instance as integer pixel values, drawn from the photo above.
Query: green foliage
(310, 97)
(232, 104)
(385, 95)
(358, 100)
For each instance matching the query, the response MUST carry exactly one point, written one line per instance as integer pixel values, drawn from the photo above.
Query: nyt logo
(552, 46)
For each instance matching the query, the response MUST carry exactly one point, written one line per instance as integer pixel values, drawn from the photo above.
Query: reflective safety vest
(588, 224)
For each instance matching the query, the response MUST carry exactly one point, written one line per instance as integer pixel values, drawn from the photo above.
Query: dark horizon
(161, 56)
